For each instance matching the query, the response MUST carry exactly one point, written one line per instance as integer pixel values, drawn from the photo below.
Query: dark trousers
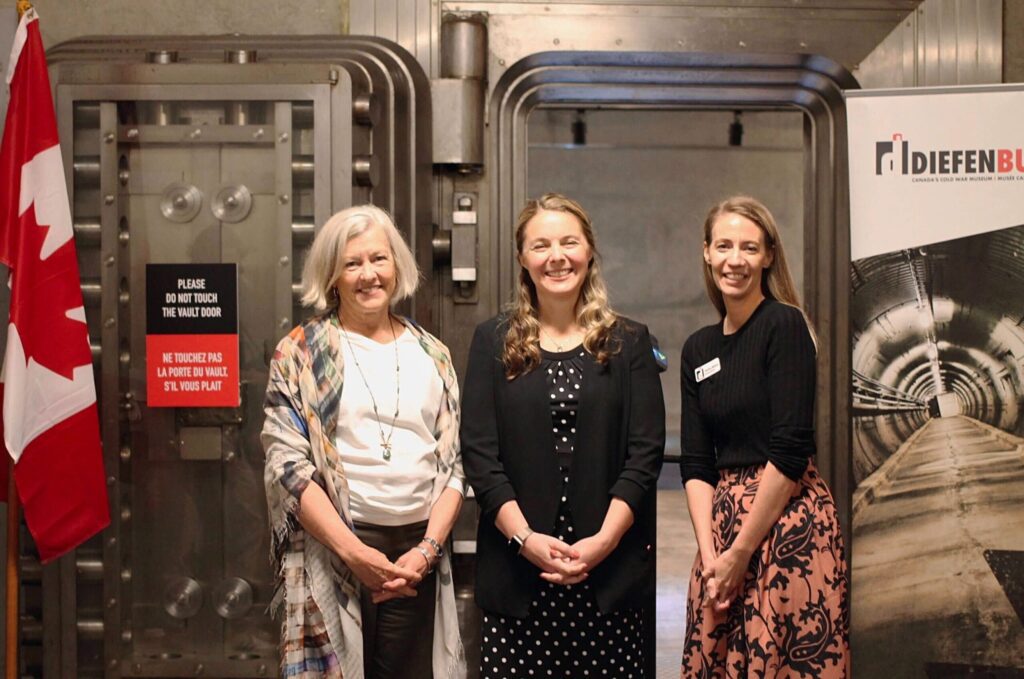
(398, 635)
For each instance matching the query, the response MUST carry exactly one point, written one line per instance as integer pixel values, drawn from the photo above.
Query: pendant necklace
(558, 345)
(385, 441)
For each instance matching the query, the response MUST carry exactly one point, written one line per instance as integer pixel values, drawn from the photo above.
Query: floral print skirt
(793, 616)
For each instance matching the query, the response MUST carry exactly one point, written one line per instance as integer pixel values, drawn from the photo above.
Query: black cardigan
(508, 454)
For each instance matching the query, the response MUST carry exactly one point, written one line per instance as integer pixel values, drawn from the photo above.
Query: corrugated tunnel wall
(932, 321)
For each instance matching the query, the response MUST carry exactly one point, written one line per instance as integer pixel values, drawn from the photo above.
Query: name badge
(707, 370)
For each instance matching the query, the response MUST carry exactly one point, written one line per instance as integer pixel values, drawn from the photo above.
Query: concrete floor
(676, 550)
(938, 531)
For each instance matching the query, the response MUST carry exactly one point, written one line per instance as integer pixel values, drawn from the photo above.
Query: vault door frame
(810, 84)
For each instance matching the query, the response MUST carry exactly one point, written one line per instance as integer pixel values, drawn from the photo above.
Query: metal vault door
(206, 174)
(196, 163)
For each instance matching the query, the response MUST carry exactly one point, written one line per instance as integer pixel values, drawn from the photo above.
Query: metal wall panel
(830, 27)
(943, 42)
(413, 24)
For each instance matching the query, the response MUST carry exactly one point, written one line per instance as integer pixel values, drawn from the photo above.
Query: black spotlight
(736, 129)
(579, 129)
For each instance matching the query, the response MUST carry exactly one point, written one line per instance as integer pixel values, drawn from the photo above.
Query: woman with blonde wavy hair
(563, 434)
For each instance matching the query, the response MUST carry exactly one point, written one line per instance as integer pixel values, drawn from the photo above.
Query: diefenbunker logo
(897, 157)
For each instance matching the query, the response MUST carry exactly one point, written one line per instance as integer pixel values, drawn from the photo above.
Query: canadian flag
(50, 423)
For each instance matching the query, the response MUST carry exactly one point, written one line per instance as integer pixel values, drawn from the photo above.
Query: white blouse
(391, 492)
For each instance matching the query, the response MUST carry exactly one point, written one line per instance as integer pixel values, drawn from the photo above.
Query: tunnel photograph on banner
(937, 341)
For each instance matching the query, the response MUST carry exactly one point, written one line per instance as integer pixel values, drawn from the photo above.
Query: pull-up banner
(192, 335)
(937, 334)
(928, 166)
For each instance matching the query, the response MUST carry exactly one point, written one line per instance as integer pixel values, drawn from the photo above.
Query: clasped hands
(384, 579)
(565, 564)
(723, 577)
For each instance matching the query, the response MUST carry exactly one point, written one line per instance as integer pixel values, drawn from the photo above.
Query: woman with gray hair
(363, 482)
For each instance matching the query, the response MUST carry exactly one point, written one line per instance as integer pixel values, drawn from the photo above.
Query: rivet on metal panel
(137, 667)
(803, 44)
(283, 199)
(283, 137)
(109, 199)
(108, 137)
(557, 41)
(284, 322)
(126, 575)
(132, 133)
(261, 670)
(111, 602)
(284, 260)
(229, 456)
(112, 664)
(196, 133)
(742, 43)
(200, 669)
(123, 297)
(124, 358)
(109, 260)
(126, 637)
(109, 323)
(501, 62)
(126, 513)
(122, 171)
(258, 134)
(618, 41)
(126, 453)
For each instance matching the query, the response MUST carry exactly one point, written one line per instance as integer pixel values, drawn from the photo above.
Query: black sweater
(759, 405)
(508, 450)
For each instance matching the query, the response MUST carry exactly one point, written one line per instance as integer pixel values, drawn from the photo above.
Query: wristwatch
(517, 541)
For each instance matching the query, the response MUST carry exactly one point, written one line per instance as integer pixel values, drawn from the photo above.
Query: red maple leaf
(42, 292)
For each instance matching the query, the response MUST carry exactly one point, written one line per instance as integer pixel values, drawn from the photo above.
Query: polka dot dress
(564, 635)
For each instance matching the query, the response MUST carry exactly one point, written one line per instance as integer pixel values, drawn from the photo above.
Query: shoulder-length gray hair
(323, 264)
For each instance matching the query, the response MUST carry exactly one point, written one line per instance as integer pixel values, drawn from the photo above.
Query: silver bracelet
(426, 555)
(438, 550)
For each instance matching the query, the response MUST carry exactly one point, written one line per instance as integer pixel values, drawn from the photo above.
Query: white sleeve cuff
(458, 484)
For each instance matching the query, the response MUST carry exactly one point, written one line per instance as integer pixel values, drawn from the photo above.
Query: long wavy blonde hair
(593, 313)
(776, 280)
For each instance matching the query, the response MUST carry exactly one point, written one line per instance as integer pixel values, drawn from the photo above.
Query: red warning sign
(192, 370)
(192, 336)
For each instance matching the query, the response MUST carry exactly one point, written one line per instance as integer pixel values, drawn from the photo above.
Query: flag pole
(13, 531)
